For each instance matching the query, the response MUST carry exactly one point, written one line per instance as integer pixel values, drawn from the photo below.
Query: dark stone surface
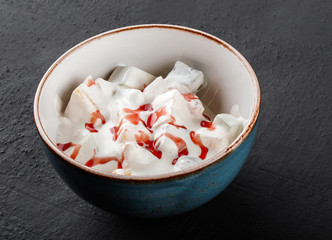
(284, 190)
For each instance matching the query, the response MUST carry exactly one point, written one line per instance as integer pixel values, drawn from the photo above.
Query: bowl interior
(154, 49)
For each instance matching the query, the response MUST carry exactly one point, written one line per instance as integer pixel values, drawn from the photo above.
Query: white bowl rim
(164, 176)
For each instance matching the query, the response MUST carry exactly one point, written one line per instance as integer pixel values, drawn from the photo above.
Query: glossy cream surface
(137, 124)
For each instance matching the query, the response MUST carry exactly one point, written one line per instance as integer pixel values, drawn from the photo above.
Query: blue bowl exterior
(155, 198)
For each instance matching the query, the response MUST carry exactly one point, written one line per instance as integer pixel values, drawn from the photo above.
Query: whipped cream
(137, 124)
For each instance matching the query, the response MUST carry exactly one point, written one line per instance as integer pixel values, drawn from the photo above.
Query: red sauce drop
(102, 160)
(178, 126)
(133, 118)
(89, 163)
(76, 151)
(90, 82)
(196, 139)
(189, 96)
(153, 118)
(145, 107)
(133, 115)
(65, 146)
(144, 141)
(208, 125)
(97, 115)
(116, 131)
(90, 127)
(120, 165)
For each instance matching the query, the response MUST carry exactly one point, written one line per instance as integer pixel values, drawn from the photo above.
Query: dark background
(284, 190)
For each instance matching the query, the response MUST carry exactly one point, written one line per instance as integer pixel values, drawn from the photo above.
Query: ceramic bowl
(153, 48)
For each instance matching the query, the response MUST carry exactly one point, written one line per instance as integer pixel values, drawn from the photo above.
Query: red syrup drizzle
(180, 144)
(196, 139)
(144, 141)
(90, 82)
(153, 118)
(65, 146)
(145, 107)
(208, 125)
(102, 160)
(95, 116)
(76, 151)
(189, 96)
(133, 115)
(175, 125)
(90, 127)
(134, 118)
(116, 130)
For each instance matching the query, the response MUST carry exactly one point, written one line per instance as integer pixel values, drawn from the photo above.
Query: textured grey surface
(284, 190)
